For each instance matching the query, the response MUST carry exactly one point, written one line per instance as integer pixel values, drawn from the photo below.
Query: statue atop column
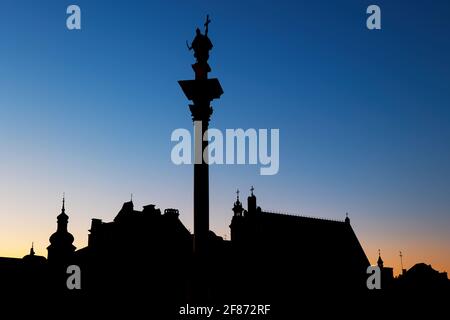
(201, 46)
(201, 91)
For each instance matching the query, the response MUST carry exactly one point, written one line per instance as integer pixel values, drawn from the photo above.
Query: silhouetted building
(271, 257)
(61, 248)
(301, 253)
(10, 274)
(423, 278)
(135, 231)
(32, 259)
(387, 274)
(138, 249)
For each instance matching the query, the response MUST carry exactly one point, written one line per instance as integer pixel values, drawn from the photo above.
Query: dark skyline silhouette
(362, 132)
(145, 260)
(134, 261)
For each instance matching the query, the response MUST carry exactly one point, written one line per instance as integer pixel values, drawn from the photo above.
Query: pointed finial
(347, 219)
(32, 249)
(401, 260)
(252, 189)
(237, 194)
(379, 261)
(64, 202)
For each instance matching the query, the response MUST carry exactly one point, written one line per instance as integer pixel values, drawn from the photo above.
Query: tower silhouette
(380, 262)
(61, 247)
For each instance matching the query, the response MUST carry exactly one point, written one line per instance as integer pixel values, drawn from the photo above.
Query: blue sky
(363, 115)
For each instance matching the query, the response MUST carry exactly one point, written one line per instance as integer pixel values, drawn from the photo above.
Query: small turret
(237, 208)
(251, 202)
(380, 261)
(61, 246)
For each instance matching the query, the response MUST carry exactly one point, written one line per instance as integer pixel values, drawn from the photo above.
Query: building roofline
(301, 216)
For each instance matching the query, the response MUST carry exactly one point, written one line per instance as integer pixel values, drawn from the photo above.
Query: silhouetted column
(201, 181)
(201, 92)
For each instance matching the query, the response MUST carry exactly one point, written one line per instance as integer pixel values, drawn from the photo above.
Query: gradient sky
(363, 115)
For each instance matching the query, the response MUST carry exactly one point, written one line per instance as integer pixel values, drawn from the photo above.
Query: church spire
(61, 247)
(380, 261)
(237, 208)
(32, 253)
(63, 218)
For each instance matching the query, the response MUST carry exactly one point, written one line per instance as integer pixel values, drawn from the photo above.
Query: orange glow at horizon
(16, 239)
